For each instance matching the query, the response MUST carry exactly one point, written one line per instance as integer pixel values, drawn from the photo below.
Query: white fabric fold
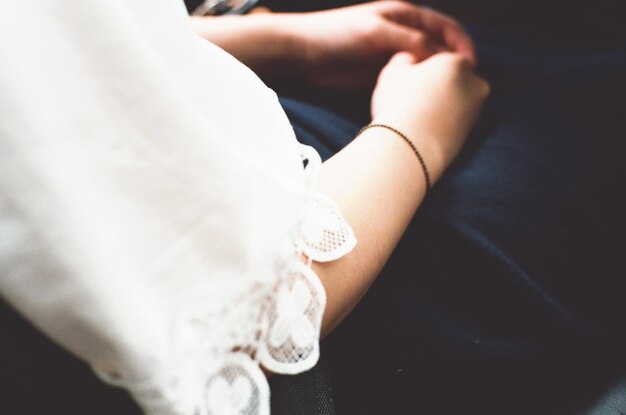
(152, 202)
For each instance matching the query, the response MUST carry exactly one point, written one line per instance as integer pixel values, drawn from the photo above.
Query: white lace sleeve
(281, 328)
(154, 211)
(288, 341)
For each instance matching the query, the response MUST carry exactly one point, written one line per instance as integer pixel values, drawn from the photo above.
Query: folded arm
(344, 47)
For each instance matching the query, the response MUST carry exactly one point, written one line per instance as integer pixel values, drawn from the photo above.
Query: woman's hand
(435, 103)
(343, 47)
(347, 47)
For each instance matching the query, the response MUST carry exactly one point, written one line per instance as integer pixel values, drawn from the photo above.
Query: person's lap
(506, 288)
(506, 293)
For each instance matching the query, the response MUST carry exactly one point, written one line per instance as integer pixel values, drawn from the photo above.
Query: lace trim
(290, 342)
(283, 328)
(324, 234)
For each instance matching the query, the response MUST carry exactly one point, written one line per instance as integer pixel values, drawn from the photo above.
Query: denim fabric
(506, 294)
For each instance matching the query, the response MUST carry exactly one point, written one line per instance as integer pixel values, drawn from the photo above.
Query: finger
(449, 32)
(398, 38)
(402, 59)
(445, 29)
(455, 60)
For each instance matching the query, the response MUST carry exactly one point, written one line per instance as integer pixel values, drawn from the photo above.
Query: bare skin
(343, 48)
(428, 90)
(377, 180)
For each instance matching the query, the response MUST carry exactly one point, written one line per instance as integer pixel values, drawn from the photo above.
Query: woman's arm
(344, 47)
(377, 180)
(261, 41)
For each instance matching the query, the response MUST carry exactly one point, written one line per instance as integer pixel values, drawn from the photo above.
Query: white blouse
(154, 204)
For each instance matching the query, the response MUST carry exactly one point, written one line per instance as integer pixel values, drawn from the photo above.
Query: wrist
(433, 153)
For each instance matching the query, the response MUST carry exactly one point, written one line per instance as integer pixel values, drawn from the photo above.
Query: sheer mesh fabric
(216, 361)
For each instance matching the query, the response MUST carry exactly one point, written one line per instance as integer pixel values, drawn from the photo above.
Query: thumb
(400, 38)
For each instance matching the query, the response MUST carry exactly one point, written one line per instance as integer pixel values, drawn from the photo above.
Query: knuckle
(458, 62)
(480, 87)
(452, 62)
(418, 40)
(392, 7)
(450, 58)
(373, 27)
(485, 87)
(401, 4)
(392, 3)
(419, 37)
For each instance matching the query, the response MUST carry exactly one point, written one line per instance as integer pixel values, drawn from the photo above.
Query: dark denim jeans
(507, 293)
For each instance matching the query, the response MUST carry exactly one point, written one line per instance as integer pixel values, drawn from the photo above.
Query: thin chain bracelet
(409, 142)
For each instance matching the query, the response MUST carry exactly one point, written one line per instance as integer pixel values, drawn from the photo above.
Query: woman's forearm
(261, 41)
(378, 183)
(340, 48)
